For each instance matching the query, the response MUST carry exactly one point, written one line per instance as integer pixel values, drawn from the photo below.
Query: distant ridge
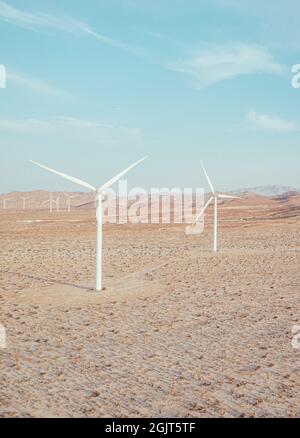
(254, 197)
(268, 191)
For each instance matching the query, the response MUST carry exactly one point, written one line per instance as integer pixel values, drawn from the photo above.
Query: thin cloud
(269, 123)
(69, 125)
(111, 42)
(217, 63)
(42, 22)
(100, 125)
(79, 123)
(24, 125)
(163, 37)
(35, 85)
(36, 21)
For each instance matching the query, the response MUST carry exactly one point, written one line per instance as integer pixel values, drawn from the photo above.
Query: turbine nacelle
(101, 195)
(223, 196)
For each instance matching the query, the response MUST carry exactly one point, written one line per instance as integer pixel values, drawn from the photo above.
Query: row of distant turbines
(100, 194)
(56, 202)
(23, 199)
(53, 203)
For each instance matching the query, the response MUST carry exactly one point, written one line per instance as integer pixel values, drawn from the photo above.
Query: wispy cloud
(46, 22)
(40, 22)
(96, 124)
(110, 41)
(269, 123)
(170, 41)
(36, 85)
(37, 21)
(24, 125)
(72, 129)
(220, 63)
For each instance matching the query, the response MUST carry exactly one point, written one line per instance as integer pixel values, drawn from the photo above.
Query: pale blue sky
(95, 85)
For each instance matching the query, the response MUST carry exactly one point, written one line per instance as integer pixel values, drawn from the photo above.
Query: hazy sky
(95, 85)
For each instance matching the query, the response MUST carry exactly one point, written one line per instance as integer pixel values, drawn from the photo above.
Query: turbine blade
(204, 208)
(228, 197)
(70, 178)
(207, 177)
(117, 177)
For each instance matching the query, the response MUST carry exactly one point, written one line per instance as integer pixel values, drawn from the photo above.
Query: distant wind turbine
(57, 202)
(4, 202)
(215, 196)
(50, 201)
(68, 202)
(100, 193)
(24, 199)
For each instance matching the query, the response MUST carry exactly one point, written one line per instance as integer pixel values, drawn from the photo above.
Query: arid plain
(178, 331)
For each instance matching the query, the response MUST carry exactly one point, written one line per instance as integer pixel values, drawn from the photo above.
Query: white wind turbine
(5, 200)
(100, 193)
(57, 201)
(50, 201)
(215, 197)
(68, 202)
(24, 199)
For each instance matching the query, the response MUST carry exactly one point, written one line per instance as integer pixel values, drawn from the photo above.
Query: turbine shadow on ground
(48, 280)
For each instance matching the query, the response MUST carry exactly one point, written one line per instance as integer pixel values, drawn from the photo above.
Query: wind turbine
(100, 193)
(57, 204)
(50, 200)
(24, 199)
(4, 202)
(215, 197)
(69, 198)
(57, 201)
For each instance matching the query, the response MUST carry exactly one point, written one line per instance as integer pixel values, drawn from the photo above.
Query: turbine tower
(215, 197)
(50, 201)
(100, 193)
(68, 202)
(24, 199)
(57, 201)
(4, 202)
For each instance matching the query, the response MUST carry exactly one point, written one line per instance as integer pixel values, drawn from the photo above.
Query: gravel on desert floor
(177, 332)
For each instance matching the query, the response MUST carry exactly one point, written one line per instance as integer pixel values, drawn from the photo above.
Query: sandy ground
(177, 332)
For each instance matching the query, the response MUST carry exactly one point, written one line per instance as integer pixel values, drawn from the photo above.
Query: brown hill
(249, 208)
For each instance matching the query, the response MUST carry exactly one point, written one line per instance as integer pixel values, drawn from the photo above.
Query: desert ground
(177, 332)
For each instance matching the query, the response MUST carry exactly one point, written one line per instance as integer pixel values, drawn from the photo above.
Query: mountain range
(269, 191)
